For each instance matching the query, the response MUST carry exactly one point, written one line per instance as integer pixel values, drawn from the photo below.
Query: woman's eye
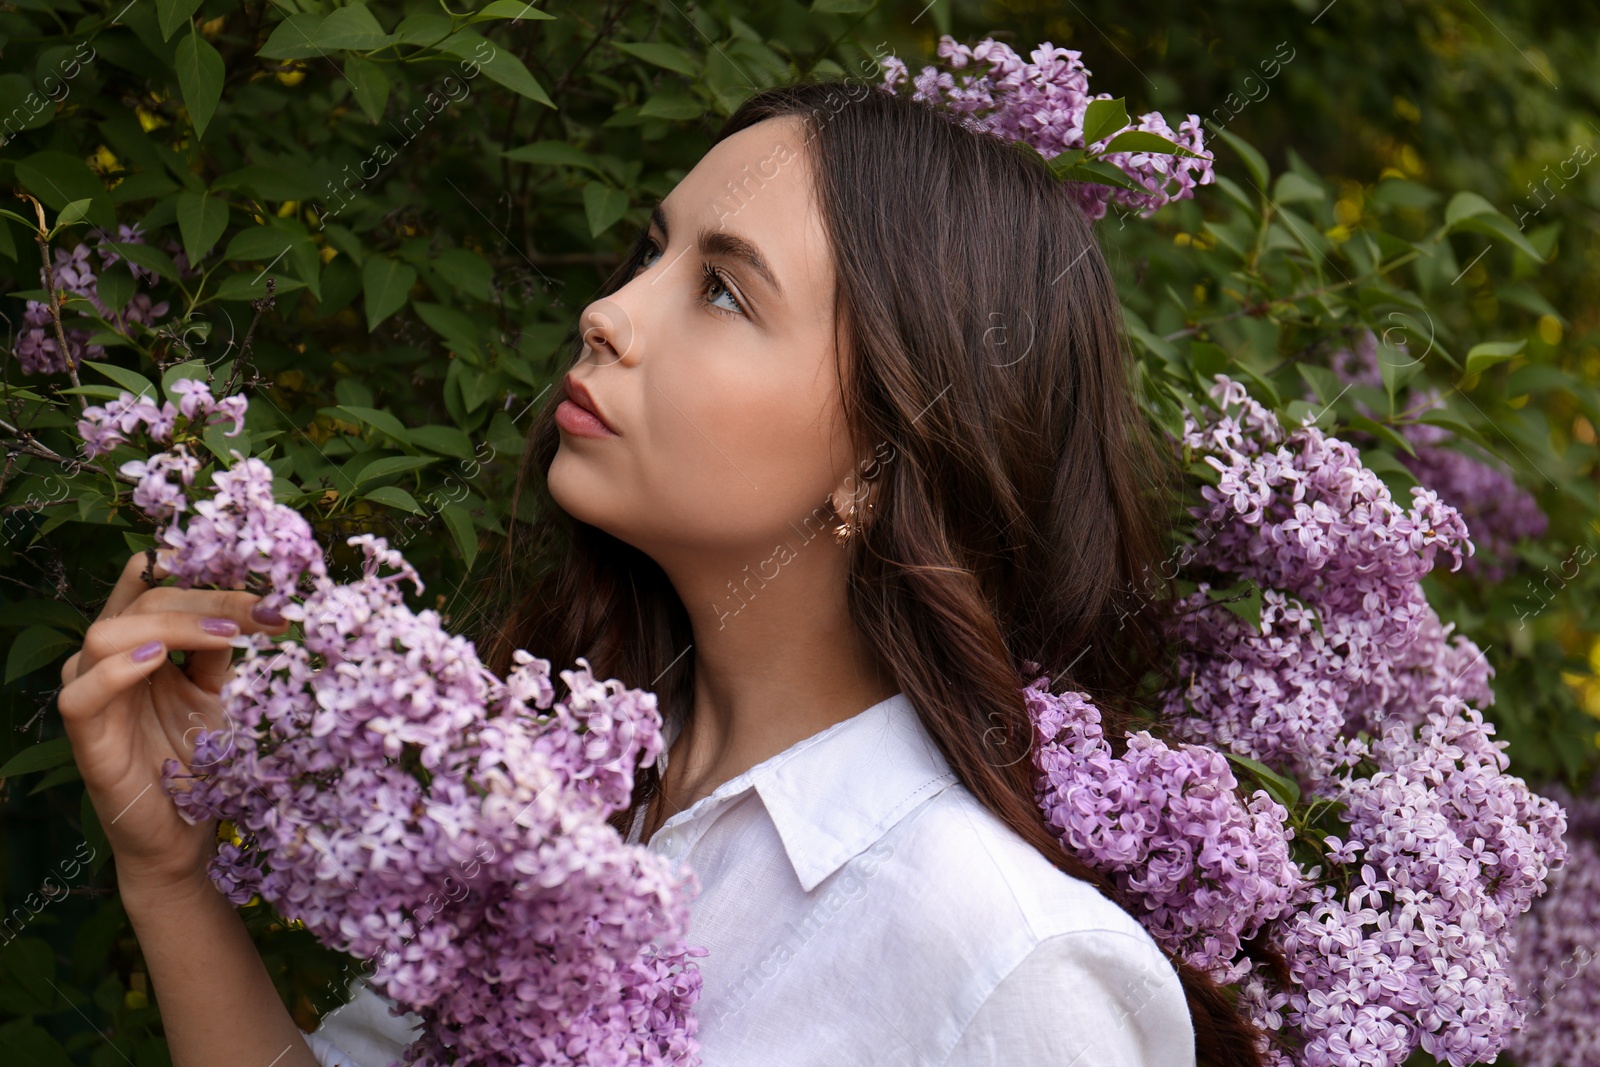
(713, 282)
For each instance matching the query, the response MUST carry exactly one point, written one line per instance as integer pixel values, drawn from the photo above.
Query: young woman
(847, 456)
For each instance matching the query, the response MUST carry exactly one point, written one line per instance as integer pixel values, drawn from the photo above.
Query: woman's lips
(580, 421)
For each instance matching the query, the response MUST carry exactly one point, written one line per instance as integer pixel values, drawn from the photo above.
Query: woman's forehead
(756, 185)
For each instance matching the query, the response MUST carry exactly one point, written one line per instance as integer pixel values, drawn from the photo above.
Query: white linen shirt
(861, 907)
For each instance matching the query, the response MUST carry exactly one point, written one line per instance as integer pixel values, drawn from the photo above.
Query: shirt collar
(834, 794)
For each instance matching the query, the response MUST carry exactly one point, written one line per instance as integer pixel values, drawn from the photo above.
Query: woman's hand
(127, 708)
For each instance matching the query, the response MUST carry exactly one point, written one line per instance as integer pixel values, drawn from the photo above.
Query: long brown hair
(1016, 528)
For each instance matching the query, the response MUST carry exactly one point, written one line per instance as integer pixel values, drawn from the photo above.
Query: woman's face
(723, 393)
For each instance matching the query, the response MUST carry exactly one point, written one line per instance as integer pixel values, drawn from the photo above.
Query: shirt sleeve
(1092, 998)
(363, 1033)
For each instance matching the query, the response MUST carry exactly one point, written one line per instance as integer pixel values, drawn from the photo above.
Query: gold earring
(847, 529)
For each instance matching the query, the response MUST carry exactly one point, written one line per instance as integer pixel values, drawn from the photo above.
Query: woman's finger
(174, 629)
(130, 584)
(82, 700)
(209, 668)
(227, 603)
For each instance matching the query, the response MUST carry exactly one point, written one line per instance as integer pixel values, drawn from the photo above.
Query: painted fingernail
(220, 627)
(146, 651)
(265, 615)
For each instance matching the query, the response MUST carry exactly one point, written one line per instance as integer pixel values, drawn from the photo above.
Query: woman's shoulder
(1017, 936)
(982, 880)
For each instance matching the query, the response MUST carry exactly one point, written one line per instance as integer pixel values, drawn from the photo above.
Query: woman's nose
(608, 333)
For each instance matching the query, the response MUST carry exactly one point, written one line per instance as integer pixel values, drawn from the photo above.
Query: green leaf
(445, 440)
(351, 26)
(152, 259)
(604, 206)
(467, 271)
(673, 103)
(175, 13)
(200, 75)
(389, 465)
(259, 244)
(669, 56)
(1323, 381)
(369, 85)
(499, 64)
(1382, 432)
(461, 331)
(515, 10)
(1449, 421)
(1246, 605)
(115, 286)
(1094, 172)
(1498, 226)
(378, 420)
(424, 30)
(842, 7)
(554, 154)
(1399, 193)
(1482, 357)
(73, 213)
(1292, 187)
(1102, 119)
(57, 777)
(1466, 205)
(292, 38)
(394, 497)
(27, 982)
(202, 219)
(1208, 359)
(386, 283)
(1145, 141)
(33, 648)
(132, 381)
(40, 757)
(1285, 791)
(461, 528)
(253, 286)
(99, 392)
(1254, 161)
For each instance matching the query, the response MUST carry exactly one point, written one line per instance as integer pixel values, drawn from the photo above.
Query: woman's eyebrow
(721, 243)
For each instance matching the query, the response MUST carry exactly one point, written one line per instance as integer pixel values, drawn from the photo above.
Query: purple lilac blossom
(1401, 938)
(378, 761)
(1043, 103)
(1557, 961)
(37, 349)
(1497, 510)
(1207, 868)
(239, 529)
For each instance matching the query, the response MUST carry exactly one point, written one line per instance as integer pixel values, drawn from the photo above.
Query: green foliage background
(429, 254)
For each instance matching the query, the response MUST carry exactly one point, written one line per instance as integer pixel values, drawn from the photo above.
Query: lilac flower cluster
(375, 763)
(1400, 937)
(104, 427)
(377, 759)
(1166, 823)
(1497, 510)
(37, 348)
(1043, 103)
(239, 529)
(1557, 962)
